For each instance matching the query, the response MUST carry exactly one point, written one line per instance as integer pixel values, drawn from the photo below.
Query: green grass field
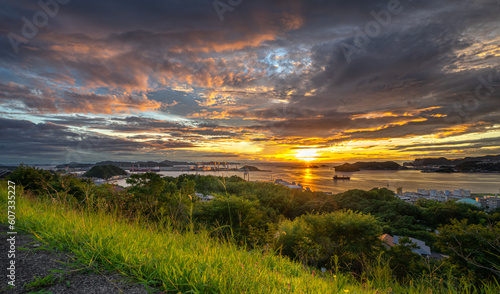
(192, 262)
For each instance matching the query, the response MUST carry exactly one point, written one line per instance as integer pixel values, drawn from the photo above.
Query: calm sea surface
(320, 179)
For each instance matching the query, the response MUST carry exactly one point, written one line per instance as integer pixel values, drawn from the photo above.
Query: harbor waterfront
(320, 179)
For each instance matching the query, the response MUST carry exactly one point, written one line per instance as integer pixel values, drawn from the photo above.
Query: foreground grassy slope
(189, 262)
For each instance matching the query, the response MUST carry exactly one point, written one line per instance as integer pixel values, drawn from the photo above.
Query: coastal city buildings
(489, 202)
(469, 201)
(291, 185)
(204, 197)
(421, 248)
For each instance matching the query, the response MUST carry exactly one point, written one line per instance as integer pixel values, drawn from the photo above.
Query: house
(423, 192)
(470, 202)
(388, 240)
(292, 185)
(207, 198)
(98, 181)
(461, 193)
(422, 249)
(204, 197)
(118, 188)
(491, 202)
(438, 256)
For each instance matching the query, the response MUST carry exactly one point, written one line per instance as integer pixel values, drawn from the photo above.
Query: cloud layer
(169, 78)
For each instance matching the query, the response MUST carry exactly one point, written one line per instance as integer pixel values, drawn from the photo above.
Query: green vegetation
(39, 282)
(467, 164)
(375, 165)
(326, 239)
(105, 171)
(259, 237)
(161, 257)
(250, 168)
(475, 247)
(346, 167)
(42, 182)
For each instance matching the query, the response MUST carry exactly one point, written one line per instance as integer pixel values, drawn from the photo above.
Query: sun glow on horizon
(307, 154)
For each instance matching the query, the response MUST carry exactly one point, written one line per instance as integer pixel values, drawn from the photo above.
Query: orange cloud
(210, 115)
(105, 104)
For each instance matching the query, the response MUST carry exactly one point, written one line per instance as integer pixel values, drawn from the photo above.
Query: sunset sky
(294, 80)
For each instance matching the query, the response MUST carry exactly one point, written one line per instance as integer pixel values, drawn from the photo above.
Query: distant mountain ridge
(445, 161)
(372, 165)
(489, 163)
(123, 164)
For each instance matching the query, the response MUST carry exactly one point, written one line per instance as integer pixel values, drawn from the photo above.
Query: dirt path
(33, 259)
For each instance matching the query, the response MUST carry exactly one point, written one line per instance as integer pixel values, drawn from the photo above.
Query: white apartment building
(492, 202)
(461, 193)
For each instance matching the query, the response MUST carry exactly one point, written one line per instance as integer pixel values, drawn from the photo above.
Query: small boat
(335, 177)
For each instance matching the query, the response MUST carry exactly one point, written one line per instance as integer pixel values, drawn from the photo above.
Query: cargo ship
(335, 177)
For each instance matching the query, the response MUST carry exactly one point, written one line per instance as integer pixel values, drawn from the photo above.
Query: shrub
(317, 239)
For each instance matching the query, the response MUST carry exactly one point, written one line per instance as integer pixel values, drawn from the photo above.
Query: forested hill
(387, 165)
(420, 162)
(490, 163)
(105, 171)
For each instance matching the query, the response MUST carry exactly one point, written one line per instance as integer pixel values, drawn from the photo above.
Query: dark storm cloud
(458, 144)
(78, 120)
(133, 124)
(25, 139)
(401, 65)
(473, 147)
(30, 97)
(395, 122)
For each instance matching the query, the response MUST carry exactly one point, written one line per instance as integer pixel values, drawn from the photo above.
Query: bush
(246, 218)
(472, 247)
(36, 180)
(317, 239)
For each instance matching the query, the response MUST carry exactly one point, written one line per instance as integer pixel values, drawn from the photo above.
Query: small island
(105, 171)
(346, 167)
(249, 168)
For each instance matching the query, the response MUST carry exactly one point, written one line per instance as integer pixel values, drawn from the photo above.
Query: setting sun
(307, 154)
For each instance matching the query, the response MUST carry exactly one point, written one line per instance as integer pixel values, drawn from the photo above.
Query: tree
(473, 247)
(242, 215)
(32, 178)
(403, 261)
(158, 197)
(317, 239)
(65, 188)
